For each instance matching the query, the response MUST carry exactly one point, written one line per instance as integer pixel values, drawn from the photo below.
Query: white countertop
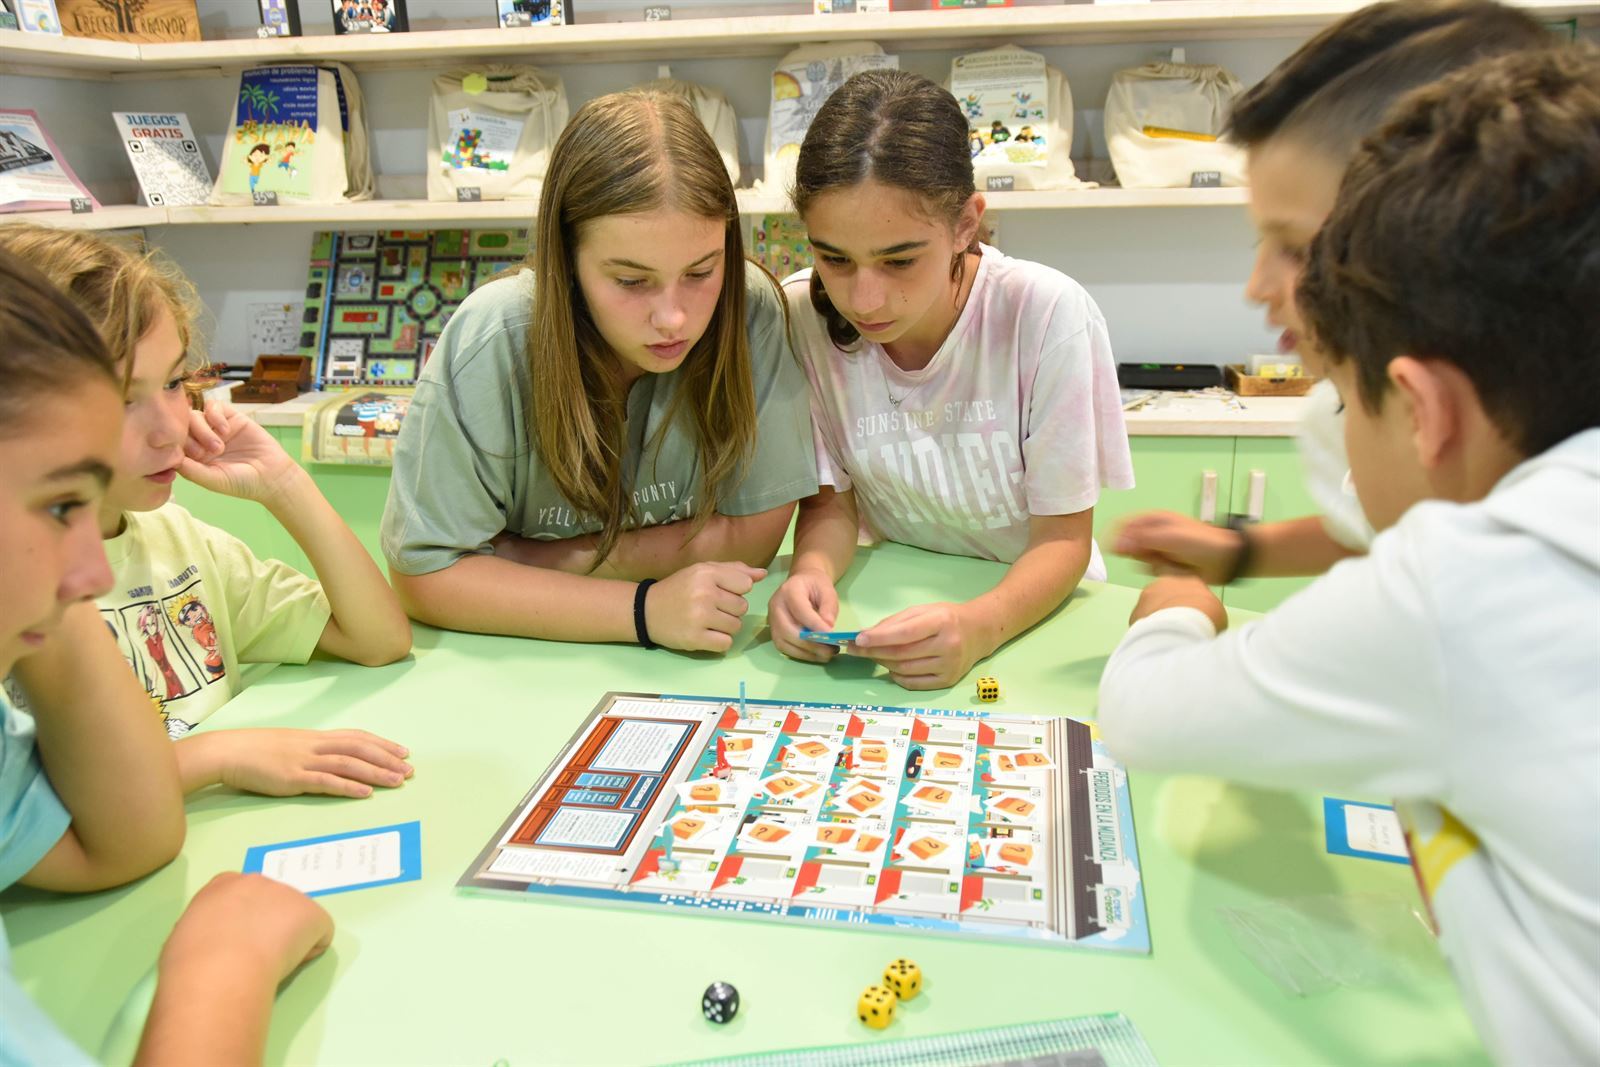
(1216, 415)
(1167, 415)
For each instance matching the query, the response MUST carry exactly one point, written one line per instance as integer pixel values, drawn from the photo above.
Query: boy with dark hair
(1301, 124)
(1453, 294)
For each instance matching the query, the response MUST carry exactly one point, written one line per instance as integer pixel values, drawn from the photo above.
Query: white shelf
(409, 213)
(755, 35)
(121, 217)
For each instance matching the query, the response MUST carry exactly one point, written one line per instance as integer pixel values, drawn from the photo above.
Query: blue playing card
(829, 637)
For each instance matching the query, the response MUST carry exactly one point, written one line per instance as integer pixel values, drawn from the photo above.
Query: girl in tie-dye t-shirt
(962, 401)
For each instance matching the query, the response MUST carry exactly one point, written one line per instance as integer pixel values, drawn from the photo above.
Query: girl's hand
(930, 646)
(247, 921)
(1168, 542)
(805, 601)
(286, 763)
(229, 453)
(701, 607)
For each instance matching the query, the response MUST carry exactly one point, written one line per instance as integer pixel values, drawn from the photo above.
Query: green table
(421, 974)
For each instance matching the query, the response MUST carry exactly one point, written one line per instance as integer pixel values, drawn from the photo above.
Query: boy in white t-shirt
(1457, 666)
(963, 401)
(1301, 125)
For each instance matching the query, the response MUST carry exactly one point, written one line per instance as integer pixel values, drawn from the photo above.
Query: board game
(953, 822)
(377, 300)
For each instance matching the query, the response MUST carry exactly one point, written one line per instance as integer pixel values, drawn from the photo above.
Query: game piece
(720, 1002)
(769, 841)
(876, 1007)
(830, 637)
(988, 690)
(903, 978)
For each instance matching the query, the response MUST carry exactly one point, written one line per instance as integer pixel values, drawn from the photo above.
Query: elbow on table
(419, 596)
(391, 648)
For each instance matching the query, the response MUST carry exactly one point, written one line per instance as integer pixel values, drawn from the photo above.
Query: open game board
(966, 823)
(377, 300)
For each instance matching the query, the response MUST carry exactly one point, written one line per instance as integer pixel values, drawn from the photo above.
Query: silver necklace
(892, 401)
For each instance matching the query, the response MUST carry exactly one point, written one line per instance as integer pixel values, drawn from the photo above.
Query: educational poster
(1006, 827)
(780, 244)
(165, 156)
(33, 175)
(799, 91)
(376, 301)
(275, 133)
(1004, 96)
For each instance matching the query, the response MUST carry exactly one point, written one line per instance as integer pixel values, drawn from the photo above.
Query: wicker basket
(1254, 385)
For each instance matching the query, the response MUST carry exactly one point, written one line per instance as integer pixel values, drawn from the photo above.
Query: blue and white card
(1368, 831)
(338, 863)
(830, 637)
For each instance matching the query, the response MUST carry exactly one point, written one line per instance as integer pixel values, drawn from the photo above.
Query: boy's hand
(286, 763)
(1166, 541)
(930, 646)
(805, 601)
(249, 923)
(1180, 591)
(701, 607)
(229, 453)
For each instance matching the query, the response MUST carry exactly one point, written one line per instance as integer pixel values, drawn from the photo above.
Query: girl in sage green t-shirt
(622, 412)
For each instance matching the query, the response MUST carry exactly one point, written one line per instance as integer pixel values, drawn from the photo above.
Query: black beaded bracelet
(641, 632)
(1240, 524)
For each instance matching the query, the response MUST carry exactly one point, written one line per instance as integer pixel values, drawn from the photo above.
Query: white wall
(1169, 280)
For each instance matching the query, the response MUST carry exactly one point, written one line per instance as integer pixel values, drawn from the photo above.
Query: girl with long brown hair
(622, 412)
(965, 402)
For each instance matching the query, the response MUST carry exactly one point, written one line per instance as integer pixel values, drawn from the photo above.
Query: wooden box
(274, 380)
(147, 21)
(1254, 385)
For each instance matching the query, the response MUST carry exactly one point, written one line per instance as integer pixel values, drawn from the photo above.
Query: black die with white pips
(720, 1002)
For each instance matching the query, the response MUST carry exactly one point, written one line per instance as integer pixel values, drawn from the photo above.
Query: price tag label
(469, 192)
(82, 205)
(264, 197)
(1206, 179)
(658, 13)
(1001, 184)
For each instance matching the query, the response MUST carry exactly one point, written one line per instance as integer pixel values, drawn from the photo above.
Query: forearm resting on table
(490, 595)
(660, 550)
(826, 533)
(1294, 548)
(108, 757)
(1046, 573)
(210, 1011)
(367, 625)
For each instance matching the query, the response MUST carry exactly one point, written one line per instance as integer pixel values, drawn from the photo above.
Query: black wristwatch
(1240, 524)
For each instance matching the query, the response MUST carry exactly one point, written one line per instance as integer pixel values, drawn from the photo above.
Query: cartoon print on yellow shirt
(190, 612)
(172, 646)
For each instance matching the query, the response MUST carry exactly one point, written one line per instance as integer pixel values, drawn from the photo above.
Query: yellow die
(876, 1007)
(988, 690)
(904, 978)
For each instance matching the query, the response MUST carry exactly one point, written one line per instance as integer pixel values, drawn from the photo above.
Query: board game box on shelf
(1009, 827)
